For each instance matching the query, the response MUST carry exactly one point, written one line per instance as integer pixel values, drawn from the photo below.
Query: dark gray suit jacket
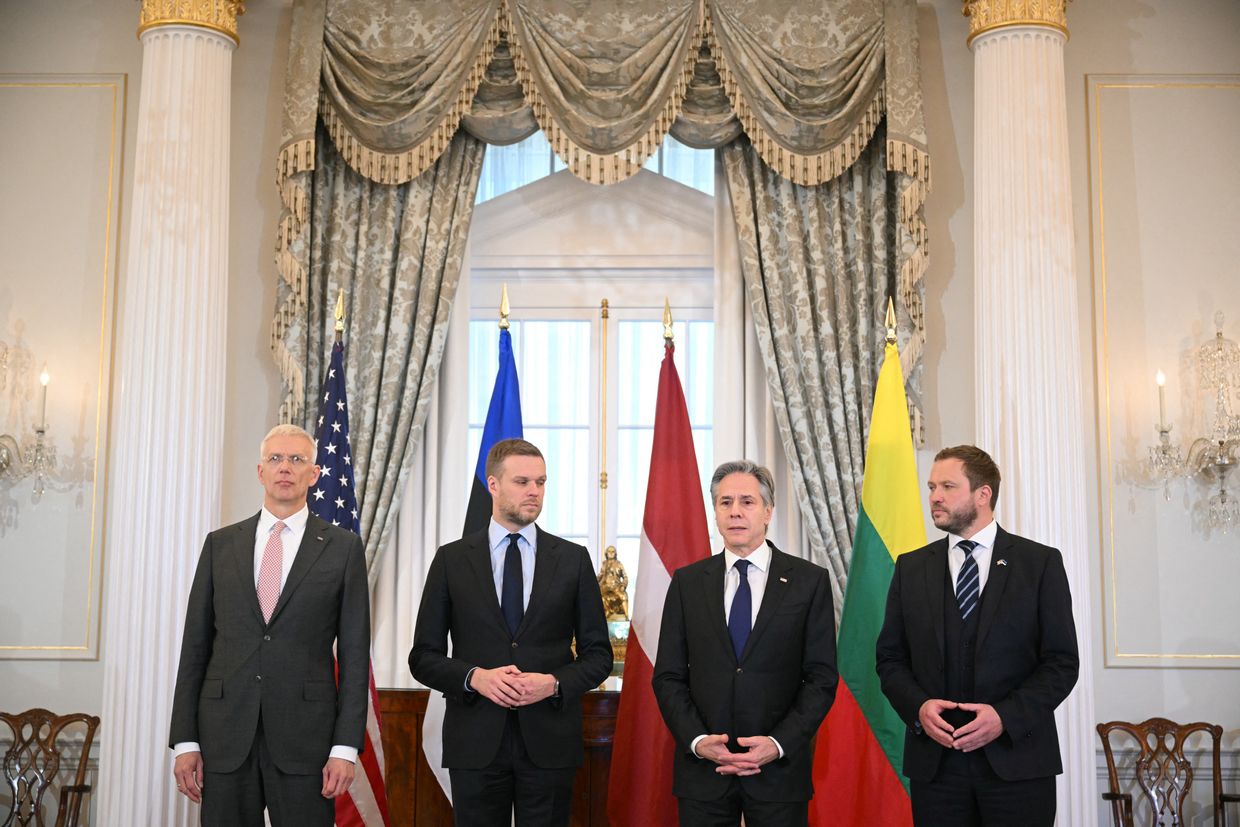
(782, 685)
(233, 666)
(459, 599)
(1026, 656)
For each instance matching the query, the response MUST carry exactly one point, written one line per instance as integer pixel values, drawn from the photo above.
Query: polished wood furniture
(32, 762)
(414, 796)
(1163, 773)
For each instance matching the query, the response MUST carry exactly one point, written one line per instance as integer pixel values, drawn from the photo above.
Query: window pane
(505, 168)
(566, 507)
(555, 373)
(691, 167)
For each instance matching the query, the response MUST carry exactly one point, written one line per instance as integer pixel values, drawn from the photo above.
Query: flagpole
(605, 315)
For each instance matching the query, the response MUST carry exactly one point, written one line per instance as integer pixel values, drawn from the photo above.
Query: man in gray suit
(259, 719)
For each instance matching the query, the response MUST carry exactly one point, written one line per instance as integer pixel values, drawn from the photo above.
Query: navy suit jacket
(1025, 663)
(782, 685)
(459, 599)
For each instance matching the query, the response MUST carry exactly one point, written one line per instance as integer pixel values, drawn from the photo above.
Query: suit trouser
(726, 811)
(512, 783)
(966, 792)
(237, 798)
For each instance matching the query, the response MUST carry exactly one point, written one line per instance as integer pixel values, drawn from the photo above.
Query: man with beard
(977, 648)
(513, 597)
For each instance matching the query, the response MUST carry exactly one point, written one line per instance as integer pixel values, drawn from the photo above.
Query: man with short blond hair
(513, 598)
(260, 720)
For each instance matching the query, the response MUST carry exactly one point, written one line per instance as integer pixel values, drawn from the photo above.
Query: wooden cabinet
(414, 796)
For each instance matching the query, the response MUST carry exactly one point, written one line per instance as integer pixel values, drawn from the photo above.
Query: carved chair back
(32, 762)
(1164, 774)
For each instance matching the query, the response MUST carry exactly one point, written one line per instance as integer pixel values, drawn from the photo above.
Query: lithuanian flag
(860, 747)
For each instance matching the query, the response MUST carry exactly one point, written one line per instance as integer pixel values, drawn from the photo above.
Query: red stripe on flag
(347, 814)
(643, 793)
(674, 524)
(853, 779)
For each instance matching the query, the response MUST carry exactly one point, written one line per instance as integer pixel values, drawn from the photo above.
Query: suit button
(738, 669)
(266, 637)
(514, 644)
(258, 677)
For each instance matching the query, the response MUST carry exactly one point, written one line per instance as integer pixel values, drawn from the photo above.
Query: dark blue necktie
(740, 621)
(968, 585)
(510, 602)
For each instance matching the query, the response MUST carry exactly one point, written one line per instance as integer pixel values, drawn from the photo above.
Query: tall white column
(167, 426)
(1028, 356)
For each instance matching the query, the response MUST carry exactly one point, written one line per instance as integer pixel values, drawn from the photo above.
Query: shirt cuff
(469, 675)
(693, 745)
(349, 753)
(777, 745)
(182, 747)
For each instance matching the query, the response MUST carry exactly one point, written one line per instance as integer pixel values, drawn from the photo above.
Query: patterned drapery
(817, 264)
(817, 105)
(396, 251)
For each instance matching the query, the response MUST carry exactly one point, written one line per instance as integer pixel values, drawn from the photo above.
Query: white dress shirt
(294, 530)
(985, 539)
(760, 565)
(498, 536)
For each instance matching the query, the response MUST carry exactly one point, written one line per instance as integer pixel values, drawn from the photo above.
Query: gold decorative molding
(216, 15)
(986, 15)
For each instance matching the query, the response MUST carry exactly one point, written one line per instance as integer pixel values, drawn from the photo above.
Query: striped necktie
(967, 582)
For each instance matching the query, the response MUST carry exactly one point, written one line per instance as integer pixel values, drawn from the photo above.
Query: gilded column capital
(986, 15)
(216, 15)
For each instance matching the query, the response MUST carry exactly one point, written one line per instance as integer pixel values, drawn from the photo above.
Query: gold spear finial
(891, 321)
(340, 315)
(503, 308)
(667, 320)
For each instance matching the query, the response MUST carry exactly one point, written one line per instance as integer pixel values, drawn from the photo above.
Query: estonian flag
(503, 422)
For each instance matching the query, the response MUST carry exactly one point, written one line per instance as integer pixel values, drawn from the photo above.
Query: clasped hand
(509, 687)
(984, 728)
(759, 750)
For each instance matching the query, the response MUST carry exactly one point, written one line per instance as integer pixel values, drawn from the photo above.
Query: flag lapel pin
(783, 580)
(1001, 562)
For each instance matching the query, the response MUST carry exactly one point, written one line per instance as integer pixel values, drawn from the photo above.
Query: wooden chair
(32, 762)
(1164, 775)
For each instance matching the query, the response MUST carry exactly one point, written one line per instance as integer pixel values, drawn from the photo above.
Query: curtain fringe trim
(402, 167)
(613, 167)
(295, 159)
(807, 170)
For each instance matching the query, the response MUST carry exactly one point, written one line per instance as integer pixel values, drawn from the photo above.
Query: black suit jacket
(234, 666)
(782, 685)
(459, 599)
(1026, 655)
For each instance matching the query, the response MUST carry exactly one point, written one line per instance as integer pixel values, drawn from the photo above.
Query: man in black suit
(977, 649)
(259, 718)
(513, 597)
(745, 671)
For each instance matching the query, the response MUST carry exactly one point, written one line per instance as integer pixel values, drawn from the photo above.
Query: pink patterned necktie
(269, 572)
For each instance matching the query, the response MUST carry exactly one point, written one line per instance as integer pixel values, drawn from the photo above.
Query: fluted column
(167, 427)
(1028, 355)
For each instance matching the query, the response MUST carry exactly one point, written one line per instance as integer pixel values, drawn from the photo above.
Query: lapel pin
(320, 539)
(783, 580)
(1001, 562)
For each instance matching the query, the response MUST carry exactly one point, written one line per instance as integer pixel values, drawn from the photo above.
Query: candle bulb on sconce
(1161, 380)
(44, 379)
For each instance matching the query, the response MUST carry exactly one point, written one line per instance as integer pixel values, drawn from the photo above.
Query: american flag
(332, 499)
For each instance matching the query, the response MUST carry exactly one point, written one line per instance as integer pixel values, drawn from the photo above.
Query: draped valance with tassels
(807, 81)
